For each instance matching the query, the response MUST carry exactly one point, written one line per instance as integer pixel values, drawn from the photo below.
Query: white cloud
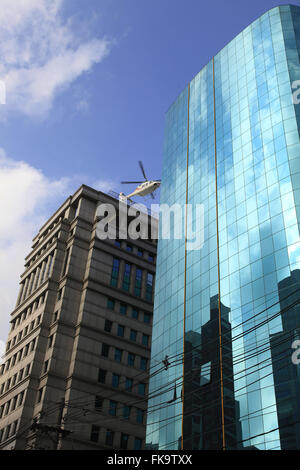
(41, 54)
(27, 199)
(105, 185)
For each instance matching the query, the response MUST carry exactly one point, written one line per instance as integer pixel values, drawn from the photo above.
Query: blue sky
(88, 84)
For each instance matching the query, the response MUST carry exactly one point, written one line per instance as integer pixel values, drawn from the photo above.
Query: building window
(142, 389)
(128, 385)
(40, 394)
(126, 411)
(64, 270)
(151, 258)
(115, 272)
(120, 331)
(21, 398)
(59, 295)
(98, 403)
(118, 354)
(14, 428)
(129, 248)
(102, 376)
(124, 441)
(131, 359)
(14, 403)
(149, 286)
(143, 363)
(126, 278)
(135, 314)
(50, 341)
(139, 416)
(105, 350)
(138, 282)
(115, 380)
(112, 408)
(118, 243)
(145, 340)
(108, 326)
(146, 317)
(133, 335)
(137, 443)
(140, 252)
(95, 433)
(46, 366)
(110, 304)
(109, 438)
(123, 309)
(27, 370)
(205, 373)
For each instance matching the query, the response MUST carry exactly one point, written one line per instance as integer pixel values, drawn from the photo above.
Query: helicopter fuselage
(145, 188)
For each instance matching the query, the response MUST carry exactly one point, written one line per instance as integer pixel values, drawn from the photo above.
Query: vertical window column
(149, 286)
(50, 263)
(43, 268)
(126, 277)
(30, 284)
(25, 288)
(20, 293)
(115, 272)
(138, 282)
(36, 280)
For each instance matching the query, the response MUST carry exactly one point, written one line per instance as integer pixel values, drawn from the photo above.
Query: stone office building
(74, 374)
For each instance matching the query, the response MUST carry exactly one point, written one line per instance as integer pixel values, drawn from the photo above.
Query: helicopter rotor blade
(131, 182)
(143, 170)
(151, 194)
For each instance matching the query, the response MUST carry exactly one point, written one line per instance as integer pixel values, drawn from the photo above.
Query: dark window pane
(145, 340)
(112, 408)
(105, 350)
(128, 385)
(118, 354)
(137, 443)
(109, 439)
(95, 433)
(139, 416)
(110, 304)
(124, 441)
(123, 309)
(133, 335)
(126, 412)
(102, 376)
(135, 314)
(143, 363)
(115, 380)
(142, 389)
(147, 318)
(98, 403)
(131, 358)
(121, 330)
(108, 326)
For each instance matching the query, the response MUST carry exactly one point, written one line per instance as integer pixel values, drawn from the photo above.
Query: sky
(88, 83)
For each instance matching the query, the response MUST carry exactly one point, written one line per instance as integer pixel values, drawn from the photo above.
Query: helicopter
(143, 189)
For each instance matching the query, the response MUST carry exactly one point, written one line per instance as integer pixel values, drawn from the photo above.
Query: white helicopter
(143, 189)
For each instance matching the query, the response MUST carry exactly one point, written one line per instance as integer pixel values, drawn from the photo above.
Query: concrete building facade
(74, 374)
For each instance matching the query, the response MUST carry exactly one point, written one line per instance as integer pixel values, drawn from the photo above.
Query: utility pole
(59, 423)
(58, 431)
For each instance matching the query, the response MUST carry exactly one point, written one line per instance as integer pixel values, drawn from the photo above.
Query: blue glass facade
(226, 315)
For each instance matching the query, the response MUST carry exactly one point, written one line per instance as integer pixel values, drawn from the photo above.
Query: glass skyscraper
(226, 315)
